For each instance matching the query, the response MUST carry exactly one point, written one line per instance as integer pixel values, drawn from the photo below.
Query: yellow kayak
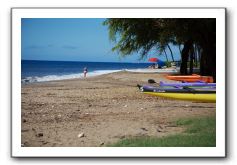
(210, 97)
(184, 93)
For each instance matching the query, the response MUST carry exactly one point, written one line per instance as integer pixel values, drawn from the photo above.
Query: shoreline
(48, 78)
(99, 110)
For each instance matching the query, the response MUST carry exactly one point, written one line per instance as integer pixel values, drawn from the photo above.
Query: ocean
(41, 71)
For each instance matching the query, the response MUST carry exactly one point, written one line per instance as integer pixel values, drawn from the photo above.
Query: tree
(166, 56)
(141, 35)
(172, 56)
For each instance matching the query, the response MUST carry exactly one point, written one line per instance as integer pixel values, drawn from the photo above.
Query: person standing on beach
(85, 71)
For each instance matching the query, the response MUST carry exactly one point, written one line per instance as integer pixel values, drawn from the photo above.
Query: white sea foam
(65, 77)
(167, 70)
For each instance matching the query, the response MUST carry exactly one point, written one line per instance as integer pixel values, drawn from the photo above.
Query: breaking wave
(34, 79)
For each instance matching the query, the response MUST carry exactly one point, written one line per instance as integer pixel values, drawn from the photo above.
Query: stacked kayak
(186, 84)
(181, 93)
(191, 78)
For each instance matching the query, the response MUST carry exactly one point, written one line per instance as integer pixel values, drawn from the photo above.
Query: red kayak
(191, 78)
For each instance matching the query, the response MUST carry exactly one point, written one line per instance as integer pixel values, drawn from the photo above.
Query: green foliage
(140, 35)
(208, 140)
(194, 64)
(200, 132)
(198, 125)
(182, 122)
(168, 63)
(135, 35)
(143, 34)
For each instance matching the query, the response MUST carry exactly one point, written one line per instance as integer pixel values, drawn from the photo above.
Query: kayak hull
(195, 84)
(191, 78)
(199, 94)
(199, 97)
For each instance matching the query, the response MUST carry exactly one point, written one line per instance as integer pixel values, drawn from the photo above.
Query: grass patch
(205, 125)
(200, 132)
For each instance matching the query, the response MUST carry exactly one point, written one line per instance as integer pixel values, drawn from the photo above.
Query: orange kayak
(191, 78)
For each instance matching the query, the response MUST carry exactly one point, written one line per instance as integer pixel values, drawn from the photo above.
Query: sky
(72, 39)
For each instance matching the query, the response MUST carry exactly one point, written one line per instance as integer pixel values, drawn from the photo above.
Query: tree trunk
(195, 54)
(166, 56)
(180, 51)
(208, 57)
(208, 62)
(171, 53)
(184, 56)
(208, 52)
(191, 60)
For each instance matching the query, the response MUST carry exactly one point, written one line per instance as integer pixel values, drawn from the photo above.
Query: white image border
(218, 151)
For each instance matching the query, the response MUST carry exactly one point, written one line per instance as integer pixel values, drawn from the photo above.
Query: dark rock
(25, 144)
(80, 135)
(144, 129)
(158, 130)
(24, 130)
(39, 134)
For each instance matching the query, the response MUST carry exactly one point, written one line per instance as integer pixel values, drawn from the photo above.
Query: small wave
(34, 79)
(171, 70)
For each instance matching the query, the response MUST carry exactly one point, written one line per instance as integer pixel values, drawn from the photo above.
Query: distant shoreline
(88, 61)
(66, 77)
(93, 74)
(38, 71)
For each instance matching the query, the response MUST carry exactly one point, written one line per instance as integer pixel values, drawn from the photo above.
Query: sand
(101, 110)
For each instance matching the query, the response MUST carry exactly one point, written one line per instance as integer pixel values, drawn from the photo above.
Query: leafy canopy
(143, 34)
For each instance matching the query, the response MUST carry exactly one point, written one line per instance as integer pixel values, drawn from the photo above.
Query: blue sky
(68, 39)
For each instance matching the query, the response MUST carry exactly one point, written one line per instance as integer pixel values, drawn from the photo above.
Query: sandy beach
(97, 111)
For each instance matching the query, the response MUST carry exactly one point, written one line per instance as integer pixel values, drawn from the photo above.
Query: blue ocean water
(39, 71)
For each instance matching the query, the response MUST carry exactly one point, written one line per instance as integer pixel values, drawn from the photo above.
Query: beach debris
(172, 125)
(119, 136)
(125, 106)
(102, 143)
(59, 115)
(25, 144)
(186, 105)
(39, 134)
(161, 128)
(158, 130)
(122, 137)
(144, 129)
(24, 120)
(24, 130)
(80, 135)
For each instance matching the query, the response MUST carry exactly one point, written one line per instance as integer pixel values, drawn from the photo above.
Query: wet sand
(100, 110)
